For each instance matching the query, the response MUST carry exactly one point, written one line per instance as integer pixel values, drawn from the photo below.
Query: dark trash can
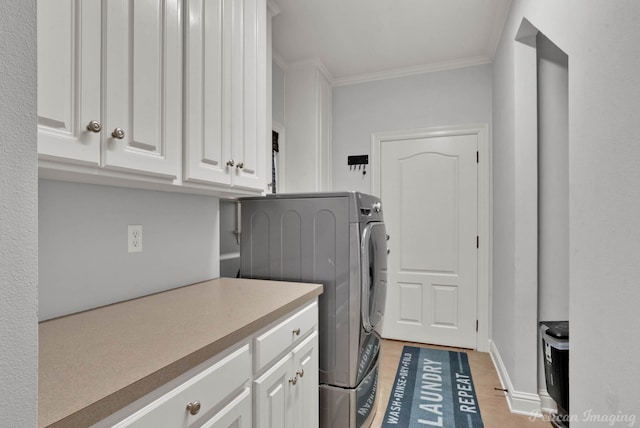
(555, 350)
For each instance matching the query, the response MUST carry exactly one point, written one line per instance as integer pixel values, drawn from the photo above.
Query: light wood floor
(493, 404)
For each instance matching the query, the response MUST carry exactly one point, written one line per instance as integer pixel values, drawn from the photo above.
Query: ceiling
(360, 40)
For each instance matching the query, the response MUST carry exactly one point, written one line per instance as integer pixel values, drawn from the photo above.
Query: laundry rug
(433, 388)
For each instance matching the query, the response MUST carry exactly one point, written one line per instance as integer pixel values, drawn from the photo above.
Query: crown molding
(316, 63)
(410, 71)
(498, 27)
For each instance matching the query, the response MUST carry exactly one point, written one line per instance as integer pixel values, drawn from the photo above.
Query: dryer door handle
(365, 278)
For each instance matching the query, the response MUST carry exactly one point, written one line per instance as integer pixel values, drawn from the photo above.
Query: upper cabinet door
(69, 80)
(225, 99)
(142, 88)
(249, 142)
(206, 152)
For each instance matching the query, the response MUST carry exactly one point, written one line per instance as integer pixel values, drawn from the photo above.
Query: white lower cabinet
(237, 389)
(305, 397)
(235, 415)
(286, 395)
(196, 398)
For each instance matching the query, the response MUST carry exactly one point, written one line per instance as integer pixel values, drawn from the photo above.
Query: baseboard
(547, 404)
(522, 403)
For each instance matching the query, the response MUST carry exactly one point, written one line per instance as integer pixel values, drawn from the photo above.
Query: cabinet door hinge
(477, 326)
(477, 241)
(477, 156)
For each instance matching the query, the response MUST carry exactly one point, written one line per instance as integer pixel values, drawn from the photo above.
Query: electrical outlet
(135, 238)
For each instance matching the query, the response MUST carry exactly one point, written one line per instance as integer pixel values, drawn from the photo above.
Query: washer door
(374, 274)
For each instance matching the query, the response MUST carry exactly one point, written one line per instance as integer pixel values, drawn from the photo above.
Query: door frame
(485, 203)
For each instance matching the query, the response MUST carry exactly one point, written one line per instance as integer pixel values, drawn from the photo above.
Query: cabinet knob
(293, 380)
(118, 133)
(297, 331)
(94, 126)
(240, 165)
(300, 372)
(231, 163)
(193, 407)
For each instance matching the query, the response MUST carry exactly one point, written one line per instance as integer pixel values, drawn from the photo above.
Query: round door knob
(231, 163)
(240, 165)
(94, 126)
(293, 380)
(300, 372)
(193, 407)
(118, 133)
(296, 331)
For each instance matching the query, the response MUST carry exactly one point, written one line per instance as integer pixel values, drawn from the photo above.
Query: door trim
(485, 202)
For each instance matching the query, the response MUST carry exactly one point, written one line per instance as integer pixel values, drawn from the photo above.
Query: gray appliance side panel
(308, 240)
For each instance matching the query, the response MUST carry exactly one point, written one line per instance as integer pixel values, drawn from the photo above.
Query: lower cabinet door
(272, 395)
(236, 414)
(305, 392)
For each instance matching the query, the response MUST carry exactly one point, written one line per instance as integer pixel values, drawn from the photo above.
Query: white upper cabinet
(308, 113)
(225, 99)
(69, 43)
(113, 102)
(142, 86)
(109, 84)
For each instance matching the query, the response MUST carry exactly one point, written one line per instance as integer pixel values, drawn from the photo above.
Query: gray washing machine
(339, 240)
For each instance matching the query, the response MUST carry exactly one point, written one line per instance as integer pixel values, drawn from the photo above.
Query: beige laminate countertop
(93, 363)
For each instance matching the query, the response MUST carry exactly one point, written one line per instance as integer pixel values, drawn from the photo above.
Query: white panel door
(69, 79)
(142, 92)
(429, 191)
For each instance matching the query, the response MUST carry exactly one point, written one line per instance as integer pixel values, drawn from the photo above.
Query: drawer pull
(193, 407)
(300, 372)
(293, 380)
(297, 331)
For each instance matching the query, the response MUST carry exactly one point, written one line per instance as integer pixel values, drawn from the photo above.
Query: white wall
(600, 39)
(277, 93)
(553, 181)
(18, 216)
(84, 261)
(452, 97)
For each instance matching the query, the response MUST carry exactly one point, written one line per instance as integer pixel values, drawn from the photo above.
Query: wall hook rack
(358, 162)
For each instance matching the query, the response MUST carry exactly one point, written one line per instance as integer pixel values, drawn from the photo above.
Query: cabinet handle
(94, 126)
(193, 407)
(118, 133)
(231, 163)
(240, 165)
(293, 380)
(297, 331)
(300, 373)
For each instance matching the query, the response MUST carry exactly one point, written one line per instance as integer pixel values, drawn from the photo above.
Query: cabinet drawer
(209, 388)
(278, 339)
